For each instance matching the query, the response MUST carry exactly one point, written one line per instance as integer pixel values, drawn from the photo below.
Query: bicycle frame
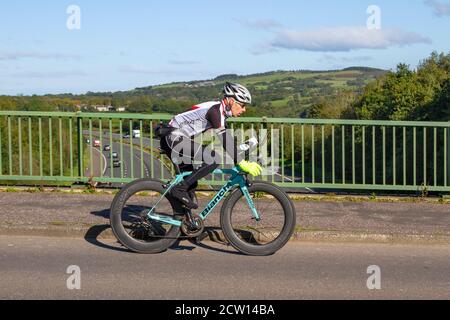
(236, 179)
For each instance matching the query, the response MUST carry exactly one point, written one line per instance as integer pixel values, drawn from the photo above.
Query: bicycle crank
(192, 227)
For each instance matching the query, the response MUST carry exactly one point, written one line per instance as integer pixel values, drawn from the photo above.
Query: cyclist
(178, 141)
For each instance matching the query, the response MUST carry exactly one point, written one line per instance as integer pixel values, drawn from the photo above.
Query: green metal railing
(44, 147)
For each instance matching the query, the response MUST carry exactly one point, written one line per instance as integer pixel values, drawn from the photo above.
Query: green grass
(280, 103)
(299, 229)
(309, 75)
(337, 83)
(297, 75)
(86, 157)
(340, 77)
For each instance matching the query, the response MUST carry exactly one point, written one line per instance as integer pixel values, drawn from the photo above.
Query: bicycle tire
(117, 206)
(234, 237)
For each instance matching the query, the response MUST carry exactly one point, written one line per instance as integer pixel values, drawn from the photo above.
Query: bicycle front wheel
(264, 237)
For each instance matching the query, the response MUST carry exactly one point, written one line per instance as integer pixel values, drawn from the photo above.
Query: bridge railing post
(80, 144)
(448, 155)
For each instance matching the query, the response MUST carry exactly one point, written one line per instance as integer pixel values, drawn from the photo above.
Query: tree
(440, 108)
(407, 94)
(333, 108)
(141, 104)
(8, 104)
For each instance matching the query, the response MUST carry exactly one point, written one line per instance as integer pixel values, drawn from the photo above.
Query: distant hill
(276, 93)
(273, 91)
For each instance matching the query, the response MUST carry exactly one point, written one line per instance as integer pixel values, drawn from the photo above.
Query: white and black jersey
(201, 118)
(206, 116)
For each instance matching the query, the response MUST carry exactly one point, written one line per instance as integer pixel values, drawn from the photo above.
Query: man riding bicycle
(178, 141)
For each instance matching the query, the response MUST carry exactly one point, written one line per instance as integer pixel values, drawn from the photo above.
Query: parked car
(117, 163)
(107, 148)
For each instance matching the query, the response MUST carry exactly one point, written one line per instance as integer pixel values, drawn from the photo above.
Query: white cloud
(7, 56)
(440, 9)
(341, 39)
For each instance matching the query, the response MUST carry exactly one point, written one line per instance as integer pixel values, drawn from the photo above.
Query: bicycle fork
(250, 202)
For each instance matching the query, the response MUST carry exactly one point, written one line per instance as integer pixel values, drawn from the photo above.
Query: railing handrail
(158, 116)
(386, 123)
(86, 115)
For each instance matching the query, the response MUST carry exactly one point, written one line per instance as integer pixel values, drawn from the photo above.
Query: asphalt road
(36, 268)
(133, 165)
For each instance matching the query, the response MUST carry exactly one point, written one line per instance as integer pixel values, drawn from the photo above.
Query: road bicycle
(256, 218)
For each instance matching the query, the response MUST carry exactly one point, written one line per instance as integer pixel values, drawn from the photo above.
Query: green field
(296, 90)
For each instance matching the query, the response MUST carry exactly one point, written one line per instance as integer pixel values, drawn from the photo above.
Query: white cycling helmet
(238, 92)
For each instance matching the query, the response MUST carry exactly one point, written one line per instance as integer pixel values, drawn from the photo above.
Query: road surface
(133, 163)
(36, 268)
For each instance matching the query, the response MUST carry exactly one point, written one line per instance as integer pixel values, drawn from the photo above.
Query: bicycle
(153, 221)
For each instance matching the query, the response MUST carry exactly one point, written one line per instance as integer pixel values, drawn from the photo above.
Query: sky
(57, 46)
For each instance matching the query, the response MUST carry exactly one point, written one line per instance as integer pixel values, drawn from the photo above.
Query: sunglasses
(242, 105)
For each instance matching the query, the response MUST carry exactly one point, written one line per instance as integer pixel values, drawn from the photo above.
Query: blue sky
(126, 44)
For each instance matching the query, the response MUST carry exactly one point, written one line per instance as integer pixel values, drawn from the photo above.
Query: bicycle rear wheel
(129, 222)
(264, 237)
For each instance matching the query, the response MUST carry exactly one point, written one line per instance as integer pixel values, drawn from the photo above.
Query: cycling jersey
(205, 116)
(201, 118)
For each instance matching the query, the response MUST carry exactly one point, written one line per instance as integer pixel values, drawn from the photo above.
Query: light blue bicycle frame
(235, 179)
